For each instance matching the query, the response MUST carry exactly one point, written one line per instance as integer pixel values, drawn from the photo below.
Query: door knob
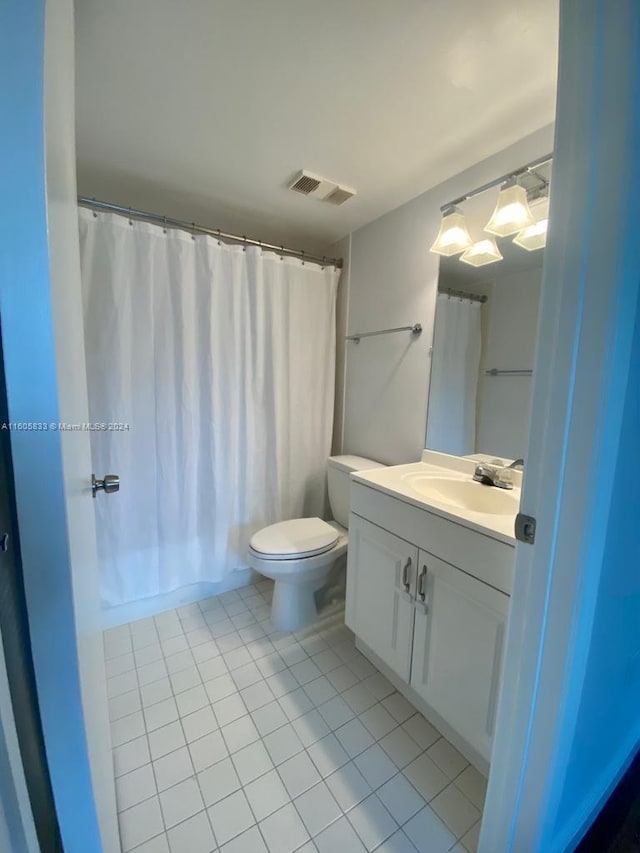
(111, 483)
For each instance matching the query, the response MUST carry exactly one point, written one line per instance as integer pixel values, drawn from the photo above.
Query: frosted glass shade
(533, 237)
(453, 236)
(481, 253)
(512, 213)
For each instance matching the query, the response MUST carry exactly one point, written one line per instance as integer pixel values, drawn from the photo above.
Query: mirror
(485, 343)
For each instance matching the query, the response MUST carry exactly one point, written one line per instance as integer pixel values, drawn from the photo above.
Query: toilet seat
(294, 539)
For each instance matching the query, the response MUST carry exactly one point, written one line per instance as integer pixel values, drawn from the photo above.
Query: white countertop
(393, 481)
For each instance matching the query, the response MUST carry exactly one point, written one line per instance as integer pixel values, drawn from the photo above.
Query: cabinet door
(381, 573)
(457, 650)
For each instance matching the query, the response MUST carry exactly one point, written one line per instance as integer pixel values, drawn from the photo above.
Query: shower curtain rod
(462, 294)
(194, 228)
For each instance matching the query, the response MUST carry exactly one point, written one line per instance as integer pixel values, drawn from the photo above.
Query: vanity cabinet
(378, 608)
(458, 648)
(437, 627)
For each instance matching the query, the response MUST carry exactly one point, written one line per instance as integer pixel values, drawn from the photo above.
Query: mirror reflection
(485, 333)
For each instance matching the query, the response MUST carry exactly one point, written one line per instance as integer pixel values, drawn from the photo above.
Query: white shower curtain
(220, 362)
(451, 421)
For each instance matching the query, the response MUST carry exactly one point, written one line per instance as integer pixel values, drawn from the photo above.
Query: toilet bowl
(299, 554)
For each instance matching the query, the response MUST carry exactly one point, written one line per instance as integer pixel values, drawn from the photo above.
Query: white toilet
(299, 554)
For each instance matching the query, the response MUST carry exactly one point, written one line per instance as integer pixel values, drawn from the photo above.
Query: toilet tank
(339, 483)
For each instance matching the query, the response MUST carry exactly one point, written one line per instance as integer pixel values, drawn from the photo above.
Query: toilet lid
(298, 537)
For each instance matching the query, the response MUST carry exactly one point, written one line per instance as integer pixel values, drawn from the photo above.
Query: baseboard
(145, 607)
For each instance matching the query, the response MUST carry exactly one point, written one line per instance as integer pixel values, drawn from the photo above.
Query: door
(380, 575)
(41, 315)
(458, 648)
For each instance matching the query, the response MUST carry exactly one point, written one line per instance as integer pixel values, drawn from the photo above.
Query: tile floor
(230, 736)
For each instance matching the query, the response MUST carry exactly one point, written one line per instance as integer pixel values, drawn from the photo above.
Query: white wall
(509, 342)
(393, 282)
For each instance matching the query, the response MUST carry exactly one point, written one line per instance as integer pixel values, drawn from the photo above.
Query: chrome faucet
(496, 474)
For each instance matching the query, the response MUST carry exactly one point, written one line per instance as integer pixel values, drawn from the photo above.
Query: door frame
(591, 281)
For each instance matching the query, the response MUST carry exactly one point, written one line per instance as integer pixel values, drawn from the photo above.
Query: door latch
(110, 484)
(525, 528)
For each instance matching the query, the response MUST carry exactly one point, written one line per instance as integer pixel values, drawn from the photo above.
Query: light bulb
(453, 236)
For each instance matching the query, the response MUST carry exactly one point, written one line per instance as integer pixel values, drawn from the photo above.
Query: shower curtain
(212, 367)
(451, 421)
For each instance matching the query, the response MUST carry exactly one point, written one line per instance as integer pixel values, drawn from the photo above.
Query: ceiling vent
(320, 188)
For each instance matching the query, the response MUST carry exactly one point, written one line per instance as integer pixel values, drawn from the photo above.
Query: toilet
(299, 554)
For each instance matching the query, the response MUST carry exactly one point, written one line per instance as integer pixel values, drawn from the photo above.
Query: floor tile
(375, 765)
(245, 676)
(401, 798)
(229, 709)
(127, 728)
(378, 721)
(173, 768)
(471, 838)
(372, 822)
(354, 737)
(207, 751)
(342, 678)
(192, 836)
(428, 833)
(336, 712)
(328, 755)
(473, 785)
(298, 774)
(157, 691)
(305, 671)
(123, 663)
(266, 795)
(152, 672)
(320, 690)
(165, 740)
(124, 705)
(421, 731)
(257, 695)
(204, 652)
(240, 733)
(294, 654)
(400, 748)
(269, 718)
(282, 683)
(283, 831)
(122, 683)
(135, 787)
(236, 658)
(348, 786)
(358, 698)
(179, 661)
(398, 843)
(218, 781)
(249, 842)
(220, 687)
(399, 707)
(455, 810)
(326, 660)
(181, 802)
(212, 668)
(161, 714)
(310, 727)
(185, 679)
(251, 762)
(378, 685)
(192, 700)
(230, 817)
(426, 777)
(199, 724)
(270, 664)
(131, 755)
(159, 844)
(148, 654)
(282, 744)
(339, 838)
(317, 808)
(296, 703)
(140, 823)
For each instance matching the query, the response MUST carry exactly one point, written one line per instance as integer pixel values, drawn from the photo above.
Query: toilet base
(293, 606)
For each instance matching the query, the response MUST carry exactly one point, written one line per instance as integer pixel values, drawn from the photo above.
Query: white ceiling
(206, 108)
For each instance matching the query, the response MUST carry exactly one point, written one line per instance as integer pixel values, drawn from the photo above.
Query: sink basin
(463, 494)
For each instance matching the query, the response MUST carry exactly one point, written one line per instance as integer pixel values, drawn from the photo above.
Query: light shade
(512, 212)
(481, 253)
(453, 236)
(535, 236)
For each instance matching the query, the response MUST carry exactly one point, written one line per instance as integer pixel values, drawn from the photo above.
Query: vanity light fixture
(453, 236)
(481, 253)
(535, 236)
(512, 213)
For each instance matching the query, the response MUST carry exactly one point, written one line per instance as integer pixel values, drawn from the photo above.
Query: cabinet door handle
(422, 584)
(406, 582)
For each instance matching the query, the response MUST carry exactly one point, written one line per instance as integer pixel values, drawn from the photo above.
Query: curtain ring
(244, 240)
(193, 230)
(219, 241)
(282, 253)
(130, 222)
(323, 257)
(164, 228)
(302, 252)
